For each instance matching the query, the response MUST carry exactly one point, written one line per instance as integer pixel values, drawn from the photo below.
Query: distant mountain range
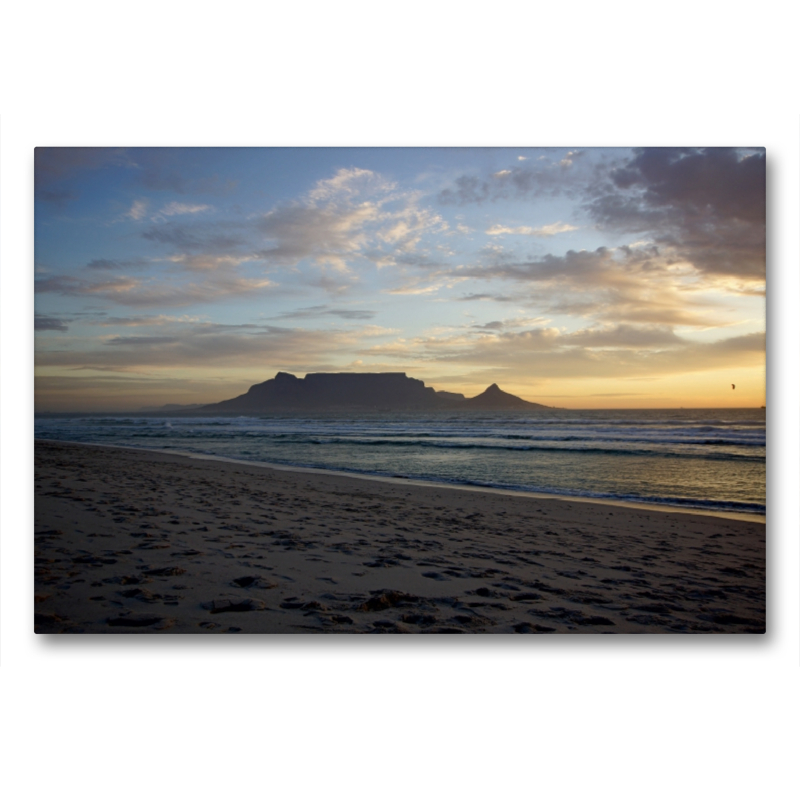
(365, 391)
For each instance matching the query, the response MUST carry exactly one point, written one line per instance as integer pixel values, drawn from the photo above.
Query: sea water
(706, 459)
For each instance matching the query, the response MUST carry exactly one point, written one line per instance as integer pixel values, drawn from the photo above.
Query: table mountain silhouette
(378, 391)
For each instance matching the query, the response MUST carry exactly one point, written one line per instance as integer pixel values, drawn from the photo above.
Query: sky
(572, 277)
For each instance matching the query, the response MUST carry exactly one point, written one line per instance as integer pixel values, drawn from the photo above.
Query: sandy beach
(131, 541)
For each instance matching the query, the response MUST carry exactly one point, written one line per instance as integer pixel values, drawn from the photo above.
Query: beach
(137, 541)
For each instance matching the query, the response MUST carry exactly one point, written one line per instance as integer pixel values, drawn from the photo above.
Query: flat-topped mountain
(373, 391)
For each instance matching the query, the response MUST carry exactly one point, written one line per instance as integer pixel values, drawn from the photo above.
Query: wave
(440, 438)
(588, 448)
(661, 500)
(630, 451)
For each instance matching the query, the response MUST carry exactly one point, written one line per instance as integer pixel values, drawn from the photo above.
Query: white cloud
(171, 209)
(424, 285)
(526, 230)
(405, 228)
(327, 235)
(353, 215)
(346, 184)
(137, 211)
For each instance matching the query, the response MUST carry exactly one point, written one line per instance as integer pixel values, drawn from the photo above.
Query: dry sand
(131, 541)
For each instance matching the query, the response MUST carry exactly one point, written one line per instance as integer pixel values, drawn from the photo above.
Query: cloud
(521, 181)
(611, 285)
(545, 352)
(171, 209)
(497, 325)
(425, 284)
(161, 169)
(54, 166)
(128, 291)
(42, 322)
(569, 158)
(478, 296)
(405, 227)
(136, 341)
(105, 320)
(353, 215)
(526, 230)
(56, 197)
(627, 336)
(110, 264)
(703, 206)
(327, 235)
(201, 262)
(212, 344)
(507, 324)
(220, 237)
(315, 312)
(348, 184)
(333, 225)
(706, 205)
(137, 211)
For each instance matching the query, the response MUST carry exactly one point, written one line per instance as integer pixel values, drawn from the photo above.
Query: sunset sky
(578, 278)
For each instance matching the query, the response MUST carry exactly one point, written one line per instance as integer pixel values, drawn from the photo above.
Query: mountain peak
(495, 398)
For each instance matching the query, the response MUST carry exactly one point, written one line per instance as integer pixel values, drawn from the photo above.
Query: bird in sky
(733, 386)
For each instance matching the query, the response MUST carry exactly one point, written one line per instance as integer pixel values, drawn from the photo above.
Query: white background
(589, 716)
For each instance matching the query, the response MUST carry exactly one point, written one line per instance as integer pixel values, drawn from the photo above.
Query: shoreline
(130, 540)
(643, 505)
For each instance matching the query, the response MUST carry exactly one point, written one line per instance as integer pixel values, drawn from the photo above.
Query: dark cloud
(109, 264)
(41, 322)
(468, 189)
(135, 341)
(317, 311)
(497, 325)
(56, 197)
(718, 180)
(561, 172)
(56, 165)
(707, 205)
(164, 169)
(128, 291)
(53, 164)
(207, 238)
(500, 298)
(421, 260)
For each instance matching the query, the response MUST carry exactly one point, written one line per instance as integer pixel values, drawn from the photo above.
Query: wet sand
(131, 541)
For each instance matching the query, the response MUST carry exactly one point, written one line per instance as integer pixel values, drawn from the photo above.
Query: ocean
(707, 459)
